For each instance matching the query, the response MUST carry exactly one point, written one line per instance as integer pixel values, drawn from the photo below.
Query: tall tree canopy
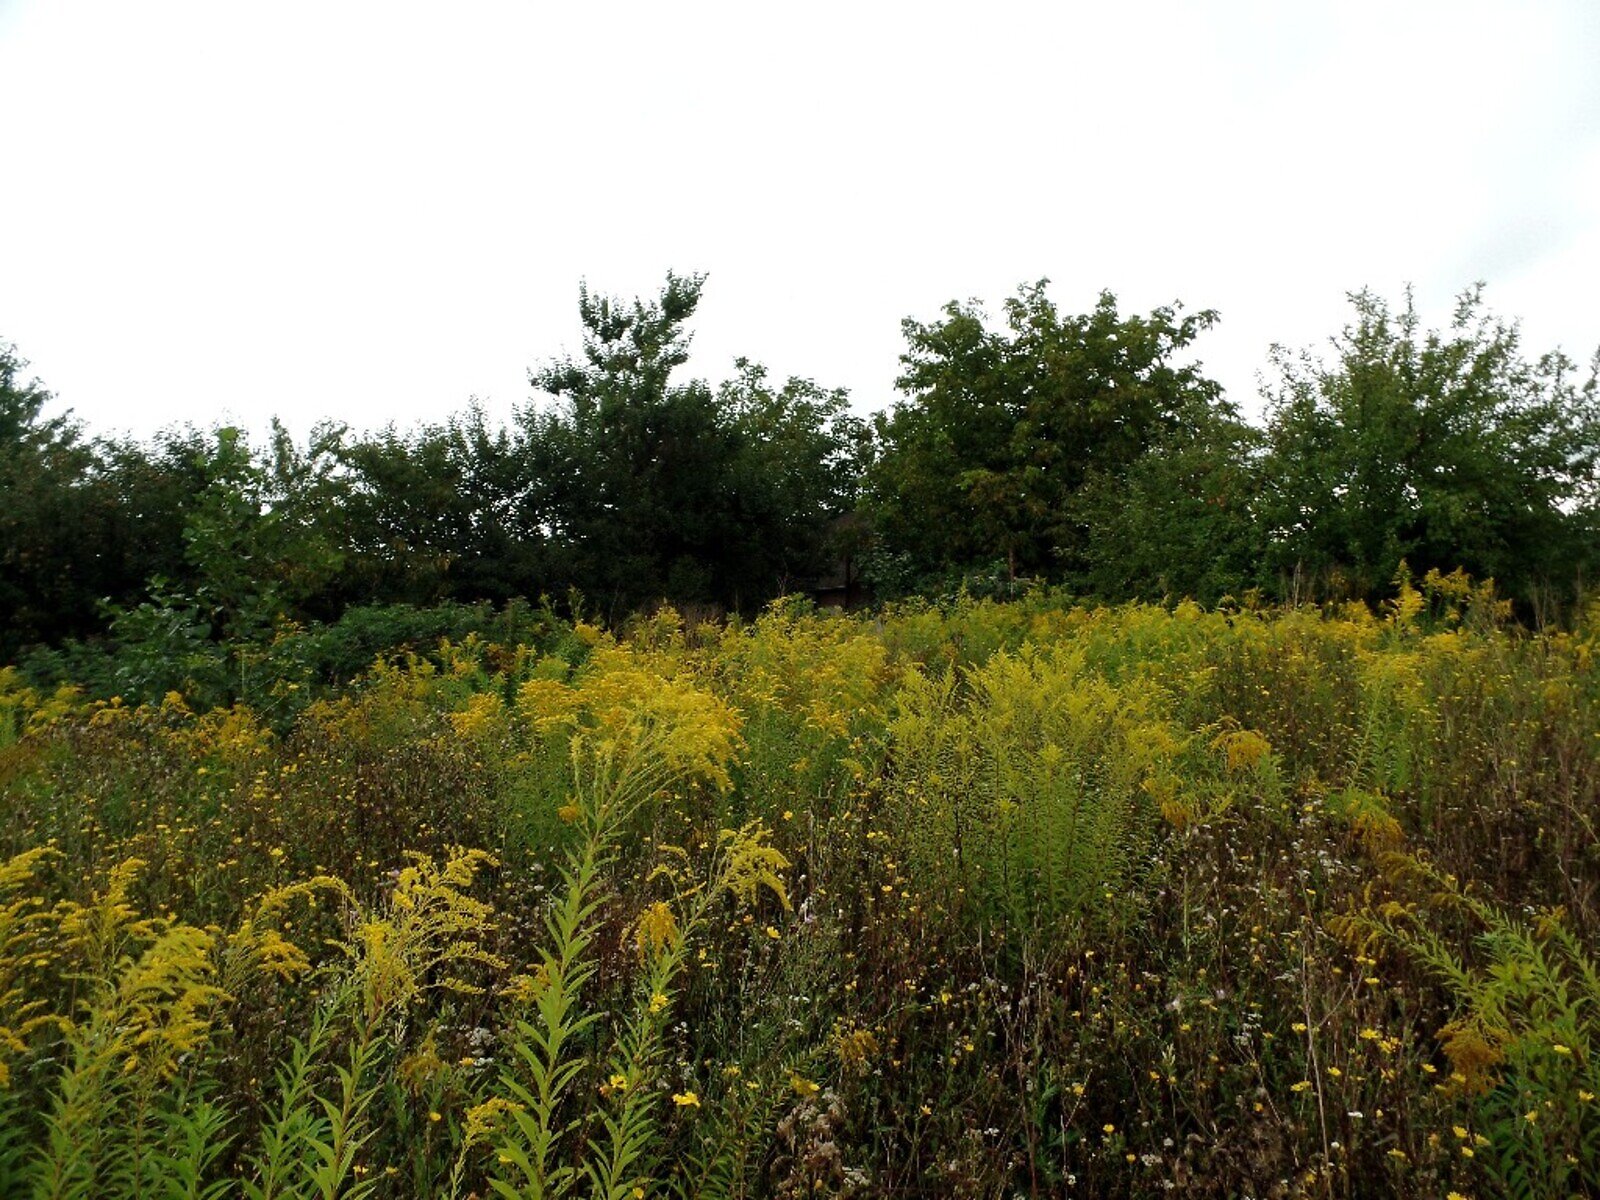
(1441, 448)
(633, 458)
(1086, 449)
(1180, 520)
(1002, 428)
(47, 568)
(455, 510)
(660, 489)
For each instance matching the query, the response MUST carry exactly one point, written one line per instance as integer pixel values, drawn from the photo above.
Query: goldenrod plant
(967, 898)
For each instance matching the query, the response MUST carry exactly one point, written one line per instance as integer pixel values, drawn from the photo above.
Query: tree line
(1085, 450)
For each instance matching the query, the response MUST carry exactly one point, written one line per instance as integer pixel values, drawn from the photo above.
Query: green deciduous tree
(47, 568)
(796, 471)
(260, 537)
(452, 510)
(664, 489)
(1002, 428)
(1180, 520)
(1441, 448)
(634, 459)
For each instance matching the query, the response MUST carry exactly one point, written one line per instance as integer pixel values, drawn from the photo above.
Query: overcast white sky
(374, 211)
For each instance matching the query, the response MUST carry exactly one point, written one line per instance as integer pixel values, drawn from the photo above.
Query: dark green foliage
(1179, 521)
(1082, 451)
(447, 511)
(635, 462)
(1443, 449)
(165, 645)
(46, 561)
(631, 489)
(1004, 428)
(660, 490)
(800, 455)
(261, 538)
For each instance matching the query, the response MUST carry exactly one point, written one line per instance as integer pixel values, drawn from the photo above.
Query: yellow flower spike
(483, 1119)
(686, 1099)
(656, 930)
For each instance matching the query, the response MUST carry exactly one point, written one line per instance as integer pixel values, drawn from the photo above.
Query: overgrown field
(982, 900)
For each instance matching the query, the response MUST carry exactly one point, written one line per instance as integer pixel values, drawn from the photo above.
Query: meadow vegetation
(975, 899)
